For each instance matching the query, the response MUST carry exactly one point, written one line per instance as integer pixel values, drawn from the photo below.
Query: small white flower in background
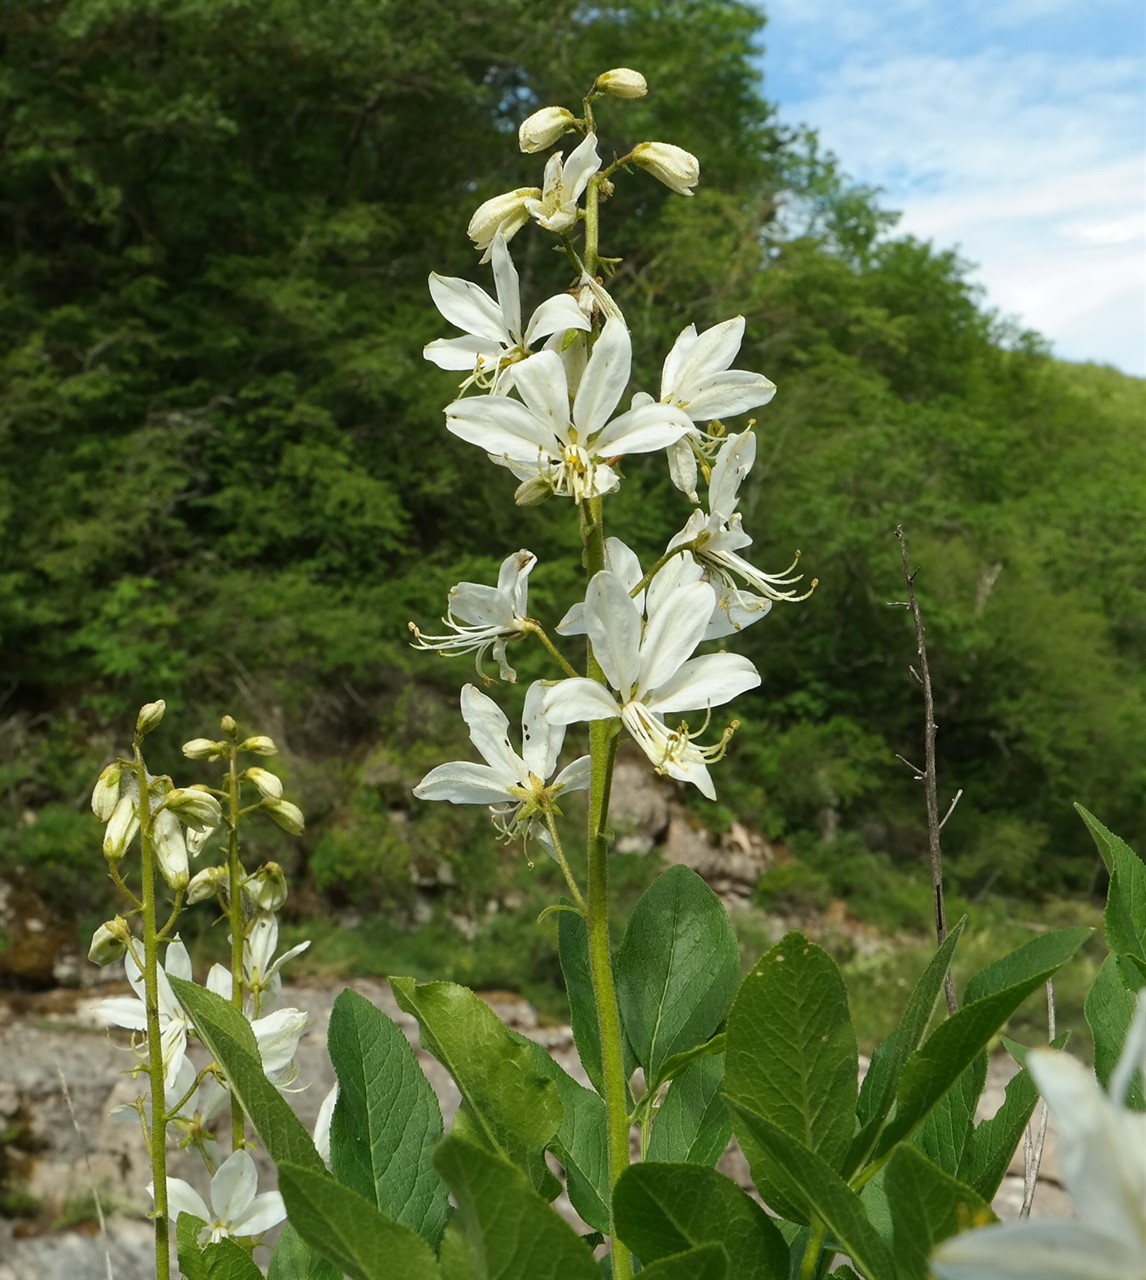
(555, 208)
(259, 745)
(544, 443)
(514, 786)
(261, 968)
(204, 749)
(123, 825)
(654, 675)
(276, 1034)
(1102, 1151)
(322, 1125)
(270, 785)
(286, 815)
(484, 618)
(541, 130)
(106, 794)
(722, 538)
(493, 341)
(235, 1208)
(505, 215)
(677, 168)
(131, 1011)
(622, 82)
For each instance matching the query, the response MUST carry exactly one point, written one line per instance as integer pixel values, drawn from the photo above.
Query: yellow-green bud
(505, 213)
(109, 942)
(198, 809)
(150, 717)
(259, 745)
(541, 130)
(531, 493)
(677, 168)
(170, 849)
(267, 888)
(228, 725)
(622, 82)
(120, 829)
(287, 815)
(106, 794)
(203, 749)
(270, 785)
(208, 883)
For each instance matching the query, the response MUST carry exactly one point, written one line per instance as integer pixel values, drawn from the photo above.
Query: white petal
(582, 164)
(267, 1211)
(676, 359)
(713, 351)
(1046, 1249)
(673, 633)
(124, 1011)
(720, 395)
(605, 378)
(708, 681)
(735, 462)
(489, 732)
(558, 314)
(642, 430)
(480, 605)
(183, 1198)
(500, 425)
(614, 625)
(278, 1035)
(459, 353)
(461, 782)
(219, 981)
(233, 1187)
(578, 699)
(541, 382)
(469, 307)
(541, 739)
(322, 1124)
(575, 776)
(507, 286)
(513, 579)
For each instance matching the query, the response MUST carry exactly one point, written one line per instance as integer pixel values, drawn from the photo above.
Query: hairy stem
(235, 915)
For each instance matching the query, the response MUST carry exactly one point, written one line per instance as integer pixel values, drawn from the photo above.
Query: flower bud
(228, 725)
(677, 168)
(541, 130)
(109, 942)
(286, 815)
(106, 793)
(150, 717)
(170, 849)
(203, 749)
(533, 492)
(198, 809)
(120, 829)
(267, 888)
(259, 745)
(505, 213)
(622, 82)
(211, 882)
(270, 785)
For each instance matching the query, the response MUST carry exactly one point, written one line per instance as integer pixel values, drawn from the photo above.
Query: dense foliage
(224, 479)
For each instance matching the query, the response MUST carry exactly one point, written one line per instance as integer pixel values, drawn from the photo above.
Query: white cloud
(1031, 162)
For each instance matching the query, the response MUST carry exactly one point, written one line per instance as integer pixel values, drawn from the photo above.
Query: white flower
(505, 214)
(494, 341)
(123, 825)
(262, 979)
(696, 376)
(514, 786)
(543, 128)
(131, 1012)
(720, 538)
(569, 452)
(170, 845)
(484, 618)
(653, 674)
(1102, 1150)
(677, 168)
(235, 1208)
(556, 207)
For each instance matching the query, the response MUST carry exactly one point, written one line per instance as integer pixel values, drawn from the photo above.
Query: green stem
(539, 631)
(810, 1263)
(603, 749)
(157, 1131)
(563, 863)
(235, 915)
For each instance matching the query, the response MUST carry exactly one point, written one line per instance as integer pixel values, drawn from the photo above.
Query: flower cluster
(552, 404)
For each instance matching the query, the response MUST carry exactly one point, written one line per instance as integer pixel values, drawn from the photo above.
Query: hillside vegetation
(225, 480)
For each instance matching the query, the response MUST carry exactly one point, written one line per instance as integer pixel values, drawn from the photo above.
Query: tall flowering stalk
(554, 418)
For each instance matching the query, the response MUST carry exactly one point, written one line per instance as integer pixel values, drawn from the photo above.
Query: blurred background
(225, 479)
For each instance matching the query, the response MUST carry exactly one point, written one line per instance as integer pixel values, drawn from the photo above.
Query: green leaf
(672, 1066)
(877, 1092)
(1109, 1009)
(515, 1109)
(189, 1251)
(693, 1124)
(706, 1262)
(807, 1182)
(581, 1142)
(510, 1232)
(293, 1259)
(1110, 846)
(573, 952)
(927, 1206)
(993, 995)
(231, 1042)
(943, 1136)
(225, 1260)
(386, 1120)
(792, 1050)
(677, 968)
(662, 1209)
(350, 1231)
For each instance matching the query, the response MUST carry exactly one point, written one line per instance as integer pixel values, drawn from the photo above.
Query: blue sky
(1011, 130)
